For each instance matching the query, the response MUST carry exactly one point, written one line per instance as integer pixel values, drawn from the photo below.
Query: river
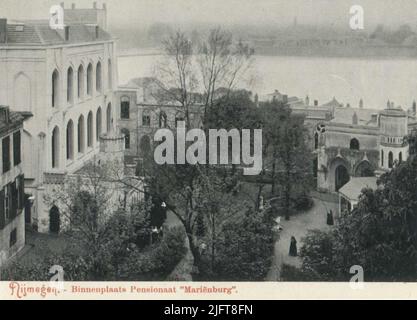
(349, 80)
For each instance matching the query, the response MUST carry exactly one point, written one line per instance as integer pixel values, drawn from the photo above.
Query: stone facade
(66, 80)
(12, 199)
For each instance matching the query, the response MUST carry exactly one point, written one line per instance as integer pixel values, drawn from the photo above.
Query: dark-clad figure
(330, 220)
(293, 247)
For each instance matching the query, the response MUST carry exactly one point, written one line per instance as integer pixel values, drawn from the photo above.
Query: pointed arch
(90, 130)
(81, 134)
(55, 147)
(98, 123)
(70, 140)
(90, 79)
(80, 76)
(98, 77)
(55, 88)
(70, 85)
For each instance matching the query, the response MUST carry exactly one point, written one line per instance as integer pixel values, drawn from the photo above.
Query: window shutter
(13, 200)
(21, 191)
(2, 215)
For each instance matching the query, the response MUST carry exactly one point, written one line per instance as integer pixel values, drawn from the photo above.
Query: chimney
(5, 114)
(3, 30)
(307, 101)
(95, 5)
(361, 103)
(414, 107)
(104, 6)
(73, 6)
(63, 5)
(316, 103)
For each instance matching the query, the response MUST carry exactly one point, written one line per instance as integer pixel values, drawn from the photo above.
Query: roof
(40, 33)
(354, 187)
(15, 119)
(395, 112)
(345, 115)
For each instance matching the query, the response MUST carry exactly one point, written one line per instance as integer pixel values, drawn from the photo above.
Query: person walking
(293, 247)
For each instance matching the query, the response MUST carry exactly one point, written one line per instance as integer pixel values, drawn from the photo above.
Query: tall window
(390, 160)
(98, 124)
(108, 118)
(90, 129)
(70, 85)
(162, 120)
(127, 138)
(17, 159)
(70, 140)
(6, 154)
(382, 158)
(81, 82)
(110, 78)
(81, 134)
(55, 148)
(90, 79)
(146, 118)
(98, 77)
(55, 88)
(316, 140)
(400, 157)
(125, 108)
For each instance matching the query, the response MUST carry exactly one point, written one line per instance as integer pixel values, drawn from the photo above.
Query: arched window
(80, 82)
(81, 137)
(109, 119)
(98, 124)
(127, 138)
(400, 157)
(146, 118)
(70, 85)
(55, 148)
(390, 160)
(70, 140)
(162, 120)
(382, 158)
(110, 77)
(125, 108)
(354, 144)
(55, 88)
(90, 129)
(90, 79)
(98, 77)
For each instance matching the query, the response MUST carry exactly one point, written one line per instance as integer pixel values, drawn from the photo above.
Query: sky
(136, 13)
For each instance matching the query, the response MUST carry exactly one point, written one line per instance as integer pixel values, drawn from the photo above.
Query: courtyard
(298, 226)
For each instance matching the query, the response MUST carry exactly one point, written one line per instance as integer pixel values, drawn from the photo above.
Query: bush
(157, 261)
(245, 249)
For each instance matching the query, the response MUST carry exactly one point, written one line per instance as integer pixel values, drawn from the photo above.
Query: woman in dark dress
(293, 247)
(330, 221)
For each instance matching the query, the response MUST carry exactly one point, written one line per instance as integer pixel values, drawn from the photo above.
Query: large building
(12, 198)
(65, 78)
(353, 141)
(141, 110)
